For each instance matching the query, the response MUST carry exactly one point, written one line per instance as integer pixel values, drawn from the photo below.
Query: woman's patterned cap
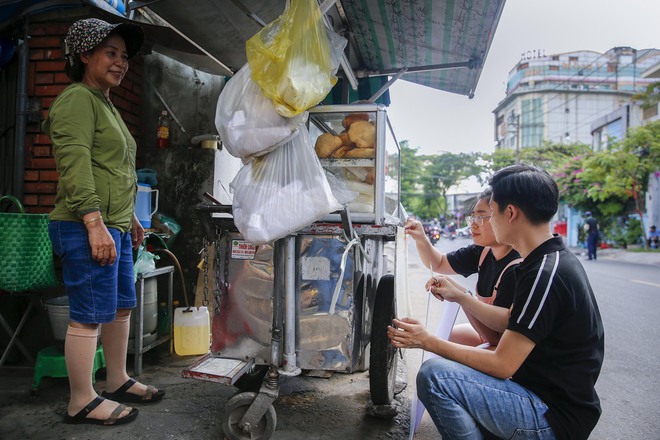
(86, 34)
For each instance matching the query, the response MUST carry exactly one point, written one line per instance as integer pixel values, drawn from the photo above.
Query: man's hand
(407, 333)
(445, 288)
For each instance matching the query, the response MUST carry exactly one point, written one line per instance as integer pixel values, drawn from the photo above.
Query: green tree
(425, 179)
(612, 182)
(443, 171)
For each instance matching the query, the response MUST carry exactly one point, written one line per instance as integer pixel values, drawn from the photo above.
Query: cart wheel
(234, 410)
(252, 380)
(382, 357)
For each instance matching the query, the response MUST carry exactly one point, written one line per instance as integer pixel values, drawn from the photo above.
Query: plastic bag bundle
(292, 58)
(247, 121)
(277, 194)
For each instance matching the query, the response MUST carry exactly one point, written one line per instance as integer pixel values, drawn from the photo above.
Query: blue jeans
(460, 399)
(95, 292)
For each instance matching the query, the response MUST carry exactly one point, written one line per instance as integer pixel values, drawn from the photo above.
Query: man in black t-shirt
(539, 382)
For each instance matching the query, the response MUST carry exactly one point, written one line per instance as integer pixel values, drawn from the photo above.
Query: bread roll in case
(326, 144)
(363, 134)
(360, 153)
(354, 117)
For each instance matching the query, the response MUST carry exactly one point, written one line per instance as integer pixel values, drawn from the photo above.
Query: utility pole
(513, 124)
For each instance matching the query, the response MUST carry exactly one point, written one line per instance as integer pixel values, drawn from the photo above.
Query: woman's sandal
(114, 419)
(122, 394)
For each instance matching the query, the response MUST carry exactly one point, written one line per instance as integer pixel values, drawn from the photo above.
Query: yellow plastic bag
(291, 59)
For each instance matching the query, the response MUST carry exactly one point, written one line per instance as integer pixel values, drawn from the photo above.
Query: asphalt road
(337, 408)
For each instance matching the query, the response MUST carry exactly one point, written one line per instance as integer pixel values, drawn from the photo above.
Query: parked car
(464, 232)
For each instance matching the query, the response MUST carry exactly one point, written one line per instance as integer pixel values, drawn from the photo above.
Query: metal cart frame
(250, 414)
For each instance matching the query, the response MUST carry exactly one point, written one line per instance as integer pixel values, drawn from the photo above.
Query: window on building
(611, 67)
(532, 122)
(553, 67)
(650, 112)
(522, 66)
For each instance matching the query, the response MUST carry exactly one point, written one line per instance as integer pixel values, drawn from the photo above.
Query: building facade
(558, 97)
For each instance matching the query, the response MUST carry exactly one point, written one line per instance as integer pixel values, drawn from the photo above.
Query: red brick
(40, 138)
(40, 164)
(37, 54)
(56, 28)
(54, 54)
(40, 187)
(47, 200)
(30, 200)
(45, 42)
(46, 102)
(31, 175)
(61, 78)
(30, 83)
(51, 90)
(41, 152)
(40, 210)
(44, 78)
(50, 66)
(49, 176)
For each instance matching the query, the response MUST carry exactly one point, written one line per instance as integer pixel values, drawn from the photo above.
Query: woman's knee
(123, 313)
(75, 324)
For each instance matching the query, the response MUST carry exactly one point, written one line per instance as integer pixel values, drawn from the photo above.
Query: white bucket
(192, 331)
(58, 313)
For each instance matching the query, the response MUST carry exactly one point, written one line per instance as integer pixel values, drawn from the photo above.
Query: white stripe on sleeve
(536, 281)
(547, 289)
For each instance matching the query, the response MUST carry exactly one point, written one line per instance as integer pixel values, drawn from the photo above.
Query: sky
(443, 121)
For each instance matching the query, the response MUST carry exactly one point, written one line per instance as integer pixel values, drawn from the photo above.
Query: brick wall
(46, 79)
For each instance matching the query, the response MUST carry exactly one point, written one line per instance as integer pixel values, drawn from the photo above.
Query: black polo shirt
(465, 261)
(555, 307)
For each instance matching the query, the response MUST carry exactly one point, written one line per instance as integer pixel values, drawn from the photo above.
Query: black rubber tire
(233, 412)
(252, 380)
(383, 356)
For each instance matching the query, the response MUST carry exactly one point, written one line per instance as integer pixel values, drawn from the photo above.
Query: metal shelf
(138, 348)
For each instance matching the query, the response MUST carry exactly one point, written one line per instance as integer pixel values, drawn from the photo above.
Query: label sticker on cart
(242, 250)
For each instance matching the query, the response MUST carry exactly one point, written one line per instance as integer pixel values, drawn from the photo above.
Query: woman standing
(488, 310)
(93, 226)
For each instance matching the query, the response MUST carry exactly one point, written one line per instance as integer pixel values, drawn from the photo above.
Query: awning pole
(387, 85)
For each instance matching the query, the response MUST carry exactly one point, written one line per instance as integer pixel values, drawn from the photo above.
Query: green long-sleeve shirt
(95, 156)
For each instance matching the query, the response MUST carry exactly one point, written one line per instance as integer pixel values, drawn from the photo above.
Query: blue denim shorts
(95, 292)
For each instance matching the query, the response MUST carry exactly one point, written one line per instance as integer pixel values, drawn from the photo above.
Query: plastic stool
(50, 362)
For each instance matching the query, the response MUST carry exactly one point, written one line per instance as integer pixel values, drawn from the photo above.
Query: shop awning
(439, 44)
(442, 44)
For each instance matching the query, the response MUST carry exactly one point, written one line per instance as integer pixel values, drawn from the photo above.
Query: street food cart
(319, 300)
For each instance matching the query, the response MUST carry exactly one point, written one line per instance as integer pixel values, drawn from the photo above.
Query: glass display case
(361, 157)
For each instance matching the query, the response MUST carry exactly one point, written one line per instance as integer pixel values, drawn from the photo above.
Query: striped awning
(439, 43)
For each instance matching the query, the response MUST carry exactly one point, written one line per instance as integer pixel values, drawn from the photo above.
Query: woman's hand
(445, 288)
(407, 333)
(101, 243)
(137, 233)
(415, 229)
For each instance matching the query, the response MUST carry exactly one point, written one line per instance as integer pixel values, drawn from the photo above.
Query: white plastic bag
(247, 121)
(277, 194)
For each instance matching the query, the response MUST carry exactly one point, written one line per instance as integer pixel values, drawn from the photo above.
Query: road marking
(646, 282)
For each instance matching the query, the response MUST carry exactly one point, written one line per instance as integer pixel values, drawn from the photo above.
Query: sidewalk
(624, 255)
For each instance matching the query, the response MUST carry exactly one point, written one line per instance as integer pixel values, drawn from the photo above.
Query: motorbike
(434, 234)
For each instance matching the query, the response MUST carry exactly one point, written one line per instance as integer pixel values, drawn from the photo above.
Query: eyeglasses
(476, 219)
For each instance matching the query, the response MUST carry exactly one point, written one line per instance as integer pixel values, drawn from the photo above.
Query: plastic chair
(50, 363)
